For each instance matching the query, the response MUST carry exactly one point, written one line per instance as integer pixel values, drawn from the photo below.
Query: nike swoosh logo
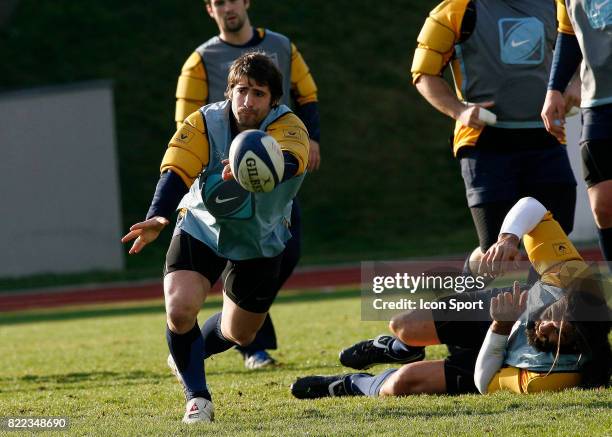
(525, 41)
(218, 200)
(601, 5)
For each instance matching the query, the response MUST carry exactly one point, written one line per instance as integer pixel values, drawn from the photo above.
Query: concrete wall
(584, 225)
(59, 189)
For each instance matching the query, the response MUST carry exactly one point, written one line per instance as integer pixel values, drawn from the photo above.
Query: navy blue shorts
(251, 284)
(496, 175)
(596, 161)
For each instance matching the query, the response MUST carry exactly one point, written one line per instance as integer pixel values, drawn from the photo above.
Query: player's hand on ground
(227, 174)
(501, 256)
(144, 233)
(553, 114)
(470, 115)
(571, 96)
(507, 307)
(314, 156)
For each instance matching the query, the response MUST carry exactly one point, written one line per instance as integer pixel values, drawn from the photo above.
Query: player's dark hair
(259, 67)
(588, 316)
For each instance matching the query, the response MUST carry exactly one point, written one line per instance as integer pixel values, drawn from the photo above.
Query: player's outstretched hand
(470, 115)
(553, 114)
(314, 156)
(507, 307)
(144, 233)
(504, 254)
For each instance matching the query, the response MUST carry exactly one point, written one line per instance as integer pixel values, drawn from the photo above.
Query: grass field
(104, 368)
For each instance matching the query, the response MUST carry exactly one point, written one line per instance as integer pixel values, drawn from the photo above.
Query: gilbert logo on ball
(256, 161)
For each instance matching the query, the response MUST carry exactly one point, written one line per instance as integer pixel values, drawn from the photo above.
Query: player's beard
(235, 26)
(248, 120)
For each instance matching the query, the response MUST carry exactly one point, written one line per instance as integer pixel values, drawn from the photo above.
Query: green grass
(388, 186)
(104, 368)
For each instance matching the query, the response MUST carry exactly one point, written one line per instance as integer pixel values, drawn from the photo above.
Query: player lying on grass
(551, 337)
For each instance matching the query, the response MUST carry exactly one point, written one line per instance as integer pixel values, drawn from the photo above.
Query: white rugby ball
(256, 161)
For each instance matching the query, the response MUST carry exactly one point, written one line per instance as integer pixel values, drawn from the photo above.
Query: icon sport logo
(521, 40)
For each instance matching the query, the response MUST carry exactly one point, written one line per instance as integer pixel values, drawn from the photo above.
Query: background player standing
(585, 34)
(500, 55)
(248, 230)
(203, 80)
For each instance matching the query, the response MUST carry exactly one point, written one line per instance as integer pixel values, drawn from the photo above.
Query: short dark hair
(259, 67)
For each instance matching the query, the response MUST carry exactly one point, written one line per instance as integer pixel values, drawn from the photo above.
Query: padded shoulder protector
(427, 61)
(449, 14)
(291, 134)
(548, 245)
(193, 63)
(437, 36)
(188, 150)
(302, 82)
(441, 31)
(191, 88)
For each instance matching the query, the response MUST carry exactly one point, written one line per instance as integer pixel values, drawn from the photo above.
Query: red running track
(308, 278)
(301, 279)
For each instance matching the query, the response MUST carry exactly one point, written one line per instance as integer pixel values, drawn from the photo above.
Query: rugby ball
(256, 161)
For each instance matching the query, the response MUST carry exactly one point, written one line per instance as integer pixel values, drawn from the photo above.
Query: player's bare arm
(437, 92)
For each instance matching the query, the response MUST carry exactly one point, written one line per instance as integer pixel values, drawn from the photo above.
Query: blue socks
(265, 339)
(214, 341)
(364, 384)
(186, 350)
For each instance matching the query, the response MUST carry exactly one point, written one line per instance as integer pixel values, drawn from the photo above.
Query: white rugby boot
(199, 410)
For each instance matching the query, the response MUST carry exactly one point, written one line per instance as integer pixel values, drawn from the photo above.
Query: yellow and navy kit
(189, 153)
(497, 51)
(553, 256)
(591, 23)
(243, 225)
(585, 40)
(188, 150)
(524, 381)
(198, 85)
